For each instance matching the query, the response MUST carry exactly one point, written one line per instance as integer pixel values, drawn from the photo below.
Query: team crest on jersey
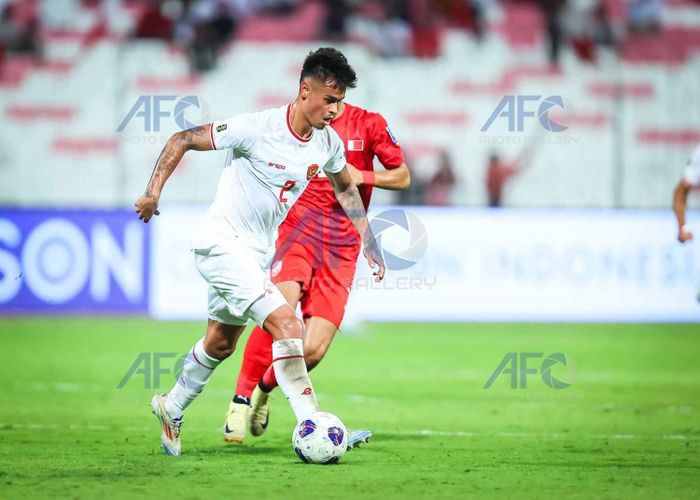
(311, 171)
(356, 145)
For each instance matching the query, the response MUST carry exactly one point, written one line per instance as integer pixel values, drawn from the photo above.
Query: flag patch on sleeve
(356, 145)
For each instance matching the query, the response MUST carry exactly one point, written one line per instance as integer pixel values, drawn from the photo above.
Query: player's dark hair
(326, 64)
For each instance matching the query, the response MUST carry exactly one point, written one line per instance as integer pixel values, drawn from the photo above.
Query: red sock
(257, 357)
(269, 380)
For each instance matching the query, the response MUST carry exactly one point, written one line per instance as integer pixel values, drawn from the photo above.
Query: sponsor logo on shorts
(311, 171)
(306, 392)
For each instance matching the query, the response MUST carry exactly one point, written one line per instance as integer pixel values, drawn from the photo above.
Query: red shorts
(325, 277)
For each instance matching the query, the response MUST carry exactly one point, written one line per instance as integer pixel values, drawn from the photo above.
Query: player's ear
(304, 89)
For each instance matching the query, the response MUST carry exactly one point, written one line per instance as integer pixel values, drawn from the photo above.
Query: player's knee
(220, 341)
(220, 348)
(289, 327)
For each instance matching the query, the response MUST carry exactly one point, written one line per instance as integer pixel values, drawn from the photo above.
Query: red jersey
(317, 213)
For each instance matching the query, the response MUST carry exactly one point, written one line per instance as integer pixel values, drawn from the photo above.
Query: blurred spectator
(465, 14)
(425, 26)
(379, 26)
(587, 26)
(499, 172)
(19, 29)
(552, 10)
(153, 23)
(603, 32)
(439, 192)
(275, 6)
(203, 29)
(337, 12)
(644, 16)
(415, 194)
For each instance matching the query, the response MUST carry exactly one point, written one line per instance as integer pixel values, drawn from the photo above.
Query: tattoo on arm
(197, 138)
(349, 198)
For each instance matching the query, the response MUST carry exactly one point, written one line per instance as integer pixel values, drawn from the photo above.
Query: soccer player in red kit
(314, 263)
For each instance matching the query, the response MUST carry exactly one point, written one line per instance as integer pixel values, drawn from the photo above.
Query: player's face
(320, 101)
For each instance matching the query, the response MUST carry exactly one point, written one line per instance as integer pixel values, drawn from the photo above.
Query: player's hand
(374, 258)
(147, 206)
(355, 174)
(684, 234)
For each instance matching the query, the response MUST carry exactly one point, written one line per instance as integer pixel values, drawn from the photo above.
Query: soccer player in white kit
(272, 156)
(690, 179)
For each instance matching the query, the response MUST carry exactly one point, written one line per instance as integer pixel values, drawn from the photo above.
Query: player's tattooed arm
(198, 139)
(349, 198)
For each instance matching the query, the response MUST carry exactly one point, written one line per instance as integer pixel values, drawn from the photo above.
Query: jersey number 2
(287, 187)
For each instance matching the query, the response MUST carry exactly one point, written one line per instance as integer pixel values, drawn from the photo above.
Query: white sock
(195, 374)
(292, 377)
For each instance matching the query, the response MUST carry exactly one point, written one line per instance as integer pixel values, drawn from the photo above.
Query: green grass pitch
(627, 427)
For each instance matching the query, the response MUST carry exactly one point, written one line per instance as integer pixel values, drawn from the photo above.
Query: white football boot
(170, 434)
(356, 438)
(259, 411)
(234, 427)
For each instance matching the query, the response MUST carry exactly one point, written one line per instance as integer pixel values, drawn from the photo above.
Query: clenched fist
(147, 207)
(684, 234)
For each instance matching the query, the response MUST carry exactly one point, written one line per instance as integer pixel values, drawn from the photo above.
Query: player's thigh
(318, 335)
(291, 290)
(291, 271)
(239, 288)
(328, 292)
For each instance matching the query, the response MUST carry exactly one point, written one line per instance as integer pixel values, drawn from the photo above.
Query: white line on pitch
(419, 433)
(554, 435)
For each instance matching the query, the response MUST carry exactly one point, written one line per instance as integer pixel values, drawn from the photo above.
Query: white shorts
(239, 288)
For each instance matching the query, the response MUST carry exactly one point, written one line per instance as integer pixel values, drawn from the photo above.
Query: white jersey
(267, 168)
(692, 172)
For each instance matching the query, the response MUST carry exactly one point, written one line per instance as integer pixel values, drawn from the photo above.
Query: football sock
(241, 400)
(257, 357)
(196, 372)
(268, 381)
(293, 379)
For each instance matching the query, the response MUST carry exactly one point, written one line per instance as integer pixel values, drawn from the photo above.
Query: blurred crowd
(389, 28)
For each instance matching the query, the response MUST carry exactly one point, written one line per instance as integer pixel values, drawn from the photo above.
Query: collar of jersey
(291, 130)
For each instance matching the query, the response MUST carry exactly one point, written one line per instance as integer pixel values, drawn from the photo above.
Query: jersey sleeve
(691, 174)
(238, 132)
(384, 144)
(336, 162)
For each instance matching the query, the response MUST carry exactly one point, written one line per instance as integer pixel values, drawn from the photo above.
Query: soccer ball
(320, 438)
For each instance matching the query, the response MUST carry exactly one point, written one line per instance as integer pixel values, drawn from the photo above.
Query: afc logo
(515, 365)
(512, 107)
(151, 109)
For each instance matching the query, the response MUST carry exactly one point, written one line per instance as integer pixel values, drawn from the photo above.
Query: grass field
(628, 426)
